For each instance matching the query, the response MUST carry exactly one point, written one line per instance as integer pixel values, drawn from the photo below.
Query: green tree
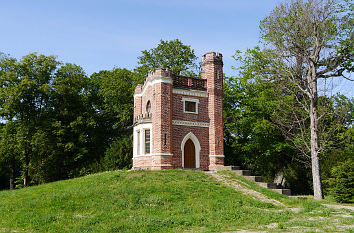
(67, 148)
(173, 54)
(49, 104)
(252, 138)
(112, 97)
(9, 151)
(24, 88)
(119, 153)
(268, 129)
(307, 41)
(341, 183)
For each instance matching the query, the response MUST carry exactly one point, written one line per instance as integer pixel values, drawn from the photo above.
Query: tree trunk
(25, 175)
(316, 170)
(12, 178)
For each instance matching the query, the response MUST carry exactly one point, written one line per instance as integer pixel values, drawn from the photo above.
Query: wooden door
(189, 154)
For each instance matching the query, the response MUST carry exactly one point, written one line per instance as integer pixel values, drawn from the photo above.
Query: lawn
(158, 201)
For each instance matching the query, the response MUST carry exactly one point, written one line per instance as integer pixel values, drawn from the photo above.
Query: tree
(48, 118)
(112, 97)
(342, 182)
(252, 138)
(9, 151)
(24, 88)
(173, 54)
(307, 41)
(65, 145)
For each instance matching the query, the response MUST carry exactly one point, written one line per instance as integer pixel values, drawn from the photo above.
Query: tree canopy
(304, 42)
(173, 54)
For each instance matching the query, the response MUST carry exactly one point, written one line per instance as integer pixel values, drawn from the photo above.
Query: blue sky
(104, 34)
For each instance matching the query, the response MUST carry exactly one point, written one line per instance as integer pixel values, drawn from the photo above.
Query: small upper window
(148, 107)
(190, 105)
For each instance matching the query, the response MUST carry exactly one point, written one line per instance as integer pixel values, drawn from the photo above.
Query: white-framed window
(138, 142)
(147, 142)
(190, 105)
(142, 140)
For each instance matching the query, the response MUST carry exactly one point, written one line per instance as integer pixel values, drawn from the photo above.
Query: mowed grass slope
(139, 201)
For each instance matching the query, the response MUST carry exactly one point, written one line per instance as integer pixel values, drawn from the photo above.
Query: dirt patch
(245, 231)
(272, 225)
(340, 206)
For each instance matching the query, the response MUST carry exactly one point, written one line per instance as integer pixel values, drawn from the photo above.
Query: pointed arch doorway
(189, 154)
(190, 147)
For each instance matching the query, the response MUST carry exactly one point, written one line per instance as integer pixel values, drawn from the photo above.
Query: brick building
(178, 120)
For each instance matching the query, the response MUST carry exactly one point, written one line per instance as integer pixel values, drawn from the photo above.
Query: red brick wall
(178, 113)
(179, 132)
(137, 102)
(162, 118)
(213, 72)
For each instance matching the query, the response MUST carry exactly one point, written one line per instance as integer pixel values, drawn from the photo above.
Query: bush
(341, 183)
(119, 154)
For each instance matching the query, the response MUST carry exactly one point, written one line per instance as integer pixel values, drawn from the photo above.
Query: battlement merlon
(213, 57)
(160, 72)
(154, 76)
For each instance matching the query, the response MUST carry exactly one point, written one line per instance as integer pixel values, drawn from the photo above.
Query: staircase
(258, 179)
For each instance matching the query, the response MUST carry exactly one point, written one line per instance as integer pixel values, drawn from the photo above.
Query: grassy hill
(160, 201)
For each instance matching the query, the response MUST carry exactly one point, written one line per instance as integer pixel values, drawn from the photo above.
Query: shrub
(119, 154)
(341, 183)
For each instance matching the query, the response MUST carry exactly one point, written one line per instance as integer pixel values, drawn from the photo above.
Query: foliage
(119, 154)
(173, 54)
(306, 41)
(266, 127)
(113, 94)
(249, 130)
(341, 184)
(9, 151)
(47, 103)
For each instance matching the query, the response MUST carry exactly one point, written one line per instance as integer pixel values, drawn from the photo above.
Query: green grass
(151, 201)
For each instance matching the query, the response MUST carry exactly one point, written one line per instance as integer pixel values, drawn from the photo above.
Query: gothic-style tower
(178, 119)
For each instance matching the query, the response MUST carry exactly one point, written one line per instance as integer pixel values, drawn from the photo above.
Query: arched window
(148, 107)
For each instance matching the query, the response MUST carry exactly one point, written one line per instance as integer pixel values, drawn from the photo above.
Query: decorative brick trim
(190, 123)
(217, 156)
(190, 92)
(152, 82)
(156, 154)
(162, 154)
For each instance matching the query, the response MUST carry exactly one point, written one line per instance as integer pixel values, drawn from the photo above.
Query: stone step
(235, 167)
(283, 191)
(255, 178)
(268, 185)
(258, 179)
(228, 168)
(243, 172)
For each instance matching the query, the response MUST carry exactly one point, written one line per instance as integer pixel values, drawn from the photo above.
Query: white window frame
(144, 148)
(141, 150)
(196, 101)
